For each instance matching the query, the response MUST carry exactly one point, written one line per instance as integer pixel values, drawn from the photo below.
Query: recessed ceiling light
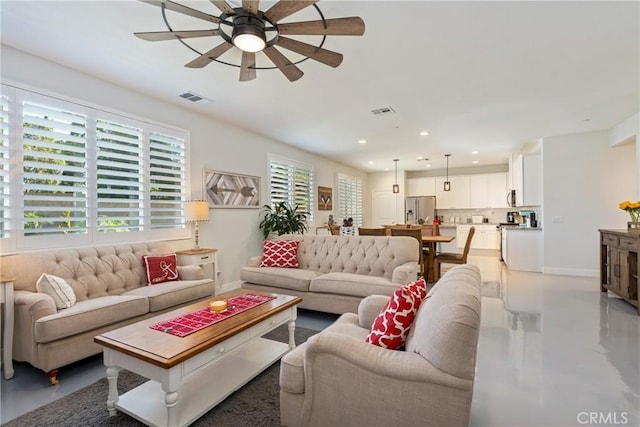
(371, 162)
(386, 169)
(362, 141)
(475, 162)
(424, 133)
(474, 152)
(419, 158)
(428, 165)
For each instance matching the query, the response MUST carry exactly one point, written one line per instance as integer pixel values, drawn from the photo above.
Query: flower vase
(633, 226)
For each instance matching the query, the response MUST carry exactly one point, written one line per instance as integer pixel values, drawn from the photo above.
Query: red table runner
(193, 322)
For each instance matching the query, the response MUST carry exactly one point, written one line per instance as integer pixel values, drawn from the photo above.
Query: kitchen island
(522, 248)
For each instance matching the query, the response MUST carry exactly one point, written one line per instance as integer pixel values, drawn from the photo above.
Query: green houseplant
(282, 218)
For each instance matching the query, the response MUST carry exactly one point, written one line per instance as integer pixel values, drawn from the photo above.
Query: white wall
(383, 181)
(628, 132)
(214, 145)
(584, 180)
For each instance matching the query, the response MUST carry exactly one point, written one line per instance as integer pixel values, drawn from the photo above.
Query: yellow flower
(633, 208)
(634, 205)
(624, 205)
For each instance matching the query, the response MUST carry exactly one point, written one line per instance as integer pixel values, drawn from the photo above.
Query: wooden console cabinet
(619, 267)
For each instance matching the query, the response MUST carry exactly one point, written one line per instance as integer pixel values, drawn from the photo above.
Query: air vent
(194, 97)
(383, 110)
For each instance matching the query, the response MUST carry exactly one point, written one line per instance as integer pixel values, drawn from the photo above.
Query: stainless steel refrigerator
(419, 208)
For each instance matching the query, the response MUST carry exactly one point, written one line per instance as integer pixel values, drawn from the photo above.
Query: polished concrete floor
(553, 351)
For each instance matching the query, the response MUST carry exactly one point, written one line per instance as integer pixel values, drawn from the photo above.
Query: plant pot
(633, 226)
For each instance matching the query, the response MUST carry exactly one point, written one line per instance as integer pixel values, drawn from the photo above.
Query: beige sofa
(336, 378)
(111, 289)
(336, 272)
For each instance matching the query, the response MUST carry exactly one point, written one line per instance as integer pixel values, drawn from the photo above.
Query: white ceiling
(479, 76)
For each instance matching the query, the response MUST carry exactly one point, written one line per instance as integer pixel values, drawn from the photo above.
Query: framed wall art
(325, 199)
(231, 190)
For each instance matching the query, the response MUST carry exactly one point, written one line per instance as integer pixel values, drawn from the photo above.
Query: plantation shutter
(5, 189)
(292, 182)
(350, 199)
(54, 142)
(120, 177)
(167, 178)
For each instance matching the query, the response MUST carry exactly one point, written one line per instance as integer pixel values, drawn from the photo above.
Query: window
(292, 182)
(81, 175)
(350, 199)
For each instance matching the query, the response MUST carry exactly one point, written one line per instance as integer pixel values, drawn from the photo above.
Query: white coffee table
(190, 375)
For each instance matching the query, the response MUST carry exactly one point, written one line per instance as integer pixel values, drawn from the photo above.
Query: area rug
(255, 404)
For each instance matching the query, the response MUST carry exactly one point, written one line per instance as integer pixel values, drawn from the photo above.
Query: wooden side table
(201, 257)
(6, 297)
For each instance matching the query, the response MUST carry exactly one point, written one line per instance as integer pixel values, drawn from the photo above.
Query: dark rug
(255, 404)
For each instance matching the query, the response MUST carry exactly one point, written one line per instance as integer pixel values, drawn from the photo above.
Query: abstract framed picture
(231, 190)
(325, 199)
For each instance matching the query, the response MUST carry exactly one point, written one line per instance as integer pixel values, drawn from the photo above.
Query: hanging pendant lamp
(396, 187)
(447, 183)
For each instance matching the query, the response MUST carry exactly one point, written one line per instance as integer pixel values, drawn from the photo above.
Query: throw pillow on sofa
(280, 253)
(391, 327)
(160, 268)
(58, 289)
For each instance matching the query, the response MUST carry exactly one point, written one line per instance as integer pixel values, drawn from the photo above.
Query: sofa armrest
(254, 261)
(190, 272)
(408, 384)
(369, 308)
(35, 303)
(405, 273)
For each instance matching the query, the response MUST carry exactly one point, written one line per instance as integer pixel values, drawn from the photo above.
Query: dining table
(430, 242)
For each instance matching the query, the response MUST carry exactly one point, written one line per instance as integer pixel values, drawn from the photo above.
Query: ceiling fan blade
(223, 6)
(250, 6)
(284, 8)
(330, 58)
(353, 26)
(183, 9)
(292, 72)
(247, 70)
(171, 35)
(207, 57)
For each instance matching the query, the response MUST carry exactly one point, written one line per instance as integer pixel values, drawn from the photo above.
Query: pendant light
(396, 187)
(447, 183)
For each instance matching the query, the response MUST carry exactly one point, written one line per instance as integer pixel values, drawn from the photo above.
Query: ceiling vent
(194, 97)
(382, 111)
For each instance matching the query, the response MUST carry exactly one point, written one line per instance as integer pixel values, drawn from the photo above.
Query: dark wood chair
(362, 231)
(334, 230)
(417, 234)
(452, 258)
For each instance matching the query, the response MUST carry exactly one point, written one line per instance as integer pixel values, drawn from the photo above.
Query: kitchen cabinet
(485, 237)
(421, 186)
(450, 247)
(460, 195)
(523, 249)
(526, 175)
(619, 264)
(488, 191)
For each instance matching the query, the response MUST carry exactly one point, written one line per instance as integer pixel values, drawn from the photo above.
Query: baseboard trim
(571, 272)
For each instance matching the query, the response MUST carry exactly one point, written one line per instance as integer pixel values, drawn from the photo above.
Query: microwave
(511, 198)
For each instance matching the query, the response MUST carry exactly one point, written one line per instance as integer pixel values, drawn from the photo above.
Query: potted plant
(282, 218)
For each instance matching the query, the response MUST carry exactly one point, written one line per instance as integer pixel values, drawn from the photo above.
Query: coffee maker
(528, 219)
(511, 217)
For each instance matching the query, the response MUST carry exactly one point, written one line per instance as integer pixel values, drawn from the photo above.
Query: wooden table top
(437, 239)
(166, 350)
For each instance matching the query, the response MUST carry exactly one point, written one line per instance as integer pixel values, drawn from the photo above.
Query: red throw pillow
(391, 327)
(160, 268)
(280, 253)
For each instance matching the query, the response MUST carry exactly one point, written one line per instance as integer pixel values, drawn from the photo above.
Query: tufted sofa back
(366, 255)
(92, 271)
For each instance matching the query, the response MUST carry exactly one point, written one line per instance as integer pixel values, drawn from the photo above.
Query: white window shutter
(167, 178)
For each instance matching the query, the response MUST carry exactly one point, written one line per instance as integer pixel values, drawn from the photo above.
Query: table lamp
(196, 211)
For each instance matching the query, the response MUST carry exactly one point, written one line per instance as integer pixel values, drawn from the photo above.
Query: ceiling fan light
(248, 34)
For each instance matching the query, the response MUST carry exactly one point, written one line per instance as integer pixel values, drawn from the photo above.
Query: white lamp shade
(196, 210)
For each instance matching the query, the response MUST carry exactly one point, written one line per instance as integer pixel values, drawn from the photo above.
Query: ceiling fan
(252, 30)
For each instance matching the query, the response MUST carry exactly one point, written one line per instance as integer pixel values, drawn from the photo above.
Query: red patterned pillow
(160, 268)
(280, 253)
(391, 327)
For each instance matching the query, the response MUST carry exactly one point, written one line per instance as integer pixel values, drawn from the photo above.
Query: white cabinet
(422, 186)
(450, 247)
(523, 249)
(460, 195)
(526, 175)
(488, 191)
(485, 237)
